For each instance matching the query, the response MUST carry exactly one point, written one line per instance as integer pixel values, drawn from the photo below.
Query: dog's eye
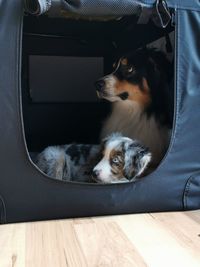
(115, 160)
(130, 69)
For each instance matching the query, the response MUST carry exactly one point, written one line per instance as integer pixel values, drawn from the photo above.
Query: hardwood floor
(155, 240)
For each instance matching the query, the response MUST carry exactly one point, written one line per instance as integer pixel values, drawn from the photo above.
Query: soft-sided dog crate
(25, 192)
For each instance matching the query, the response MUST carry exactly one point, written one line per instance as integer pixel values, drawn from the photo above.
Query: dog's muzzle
(100, 85)
(95, 175)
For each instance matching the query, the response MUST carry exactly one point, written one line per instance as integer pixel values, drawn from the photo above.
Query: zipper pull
(163, 13)
(173, 20)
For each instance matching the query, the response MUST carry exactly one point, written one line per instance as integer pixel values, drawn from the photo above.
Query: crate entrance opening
(83, 81)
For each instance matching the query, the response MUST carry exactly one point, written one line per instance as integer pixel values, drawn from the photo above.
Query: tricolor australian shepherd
(117, 159)
(142, 109)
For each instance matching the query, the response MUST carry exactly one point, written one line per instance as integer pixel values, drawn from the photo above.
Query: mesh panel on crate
(102, 7)
(84, 7)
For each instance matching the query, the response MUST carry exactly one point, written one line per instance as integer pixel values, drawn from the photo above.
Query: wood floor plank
(12, 245)
(104, 244)
(55, 244)
(185, 228)
(160, 237)
(194, 215)
(153, 240)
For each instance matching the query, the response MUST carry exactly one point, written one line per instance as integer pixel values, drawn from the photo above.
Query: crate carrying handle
(163, 13)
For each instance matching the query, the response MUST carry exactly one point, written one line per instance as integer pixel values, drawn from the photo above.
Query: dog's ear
(136, 160)
(143, 159)
(159, 67)
(154, 73)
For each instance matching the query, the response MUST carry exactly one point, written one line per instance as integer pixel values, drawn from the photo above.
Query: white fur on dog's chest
(129, 119)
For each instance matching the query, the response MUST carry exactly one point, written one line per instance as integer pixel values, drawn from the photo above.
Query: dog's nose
(100, 84)
(95, 174)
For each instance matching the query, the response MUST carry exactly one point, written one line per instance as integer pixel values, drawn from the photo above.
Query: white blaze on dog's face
(123, 159)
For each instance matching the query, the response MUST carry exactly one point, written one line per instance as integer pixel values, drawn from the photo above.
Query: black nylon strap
(37, 7)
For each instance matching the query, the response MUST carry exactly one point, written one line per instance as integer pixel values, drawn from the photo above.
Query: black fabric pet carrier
(93, 33)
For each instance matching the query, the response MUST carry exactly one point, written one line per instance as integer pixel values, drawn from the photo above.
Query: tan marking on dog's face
(111, 166)
(124, 61)
(116, 159)
(135, 93)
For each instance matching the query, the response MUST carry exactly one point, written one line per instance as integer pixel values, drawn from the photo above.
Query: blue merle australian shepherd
(117, 159)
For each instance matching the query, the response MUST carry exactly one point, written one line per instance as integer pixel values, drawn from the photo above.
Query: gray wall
(64, 79)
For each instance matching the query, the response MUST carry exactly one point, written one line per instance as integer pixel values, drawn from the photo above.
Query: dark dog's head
(142, 77)
(122, 159)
